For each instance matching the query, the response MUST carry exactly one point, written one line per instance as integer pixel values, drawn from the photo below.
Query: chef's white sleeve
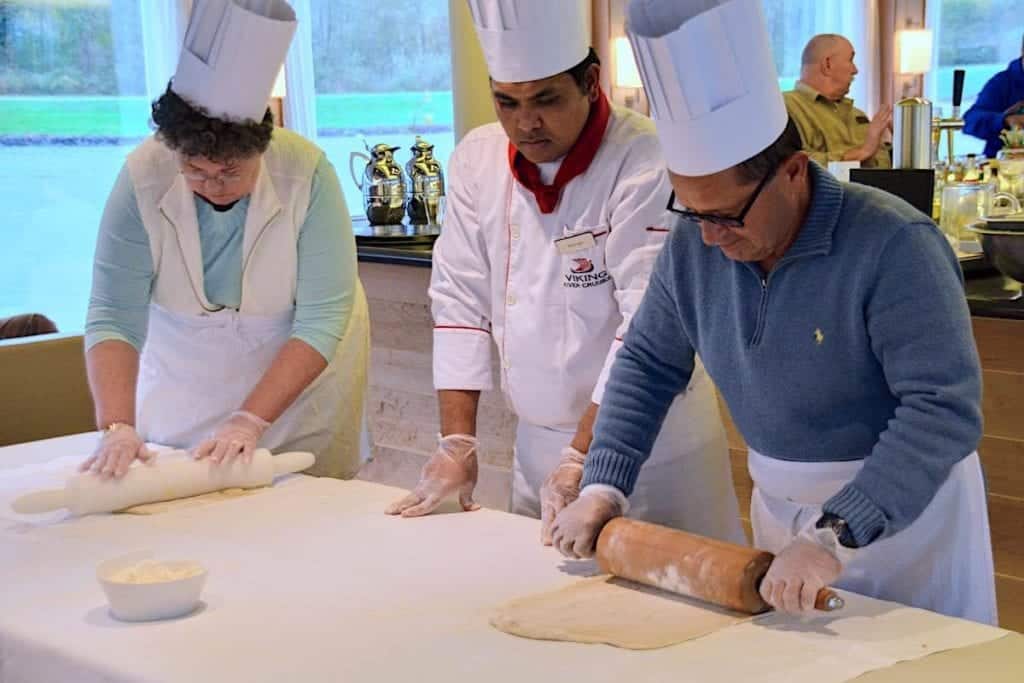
(639, 224)
(460, 294)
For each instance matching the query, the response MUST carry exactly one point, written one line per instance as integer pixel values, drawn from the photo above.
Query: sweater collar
(575, 163)
(819, 226)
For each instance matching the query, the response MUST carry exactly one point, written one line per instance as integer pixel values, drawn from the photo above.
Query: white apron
(685, 484)
(199, 364)
(941, 562)
(198, 369)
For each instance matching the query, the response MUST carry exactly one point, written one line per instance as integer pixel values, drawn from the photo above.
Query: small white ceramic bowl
(139, 588)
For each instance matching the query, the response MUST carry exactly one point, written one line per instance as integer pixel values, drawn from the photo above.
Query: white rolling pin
(171, 479)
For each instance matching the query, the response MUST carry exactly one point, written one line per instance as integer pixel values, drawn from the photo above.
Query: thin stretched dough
(615, 612)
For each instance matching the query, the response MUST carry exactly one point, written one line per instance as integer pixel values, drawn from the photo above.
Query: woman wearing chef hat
(555, 216)
(226, 312)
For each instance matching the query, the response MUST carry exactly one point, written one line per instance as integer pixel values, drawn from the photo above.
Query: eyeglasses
(733, 222)
(219, 179)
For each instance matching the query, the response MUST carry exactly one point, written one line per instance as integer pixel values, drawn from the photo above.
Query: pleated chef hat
(708, 71)
(527, 40)
(232, 54)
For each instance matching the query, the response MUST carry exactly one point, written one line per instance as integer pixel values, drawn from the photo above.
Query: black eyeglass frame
(733, 222)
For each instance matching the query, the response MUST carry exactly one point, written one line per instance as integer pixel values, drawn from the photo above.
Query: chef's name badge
(576, 243)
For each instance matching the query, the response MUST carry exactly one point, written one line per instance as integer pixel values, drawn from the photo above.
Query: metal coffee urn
(426, 185)
(912, 133)
(382, 184)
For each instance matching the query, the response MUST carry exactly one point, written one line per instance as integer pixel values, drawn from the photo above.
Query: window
(978, 36)
(792, 23)
(381, 75)
(72, 104)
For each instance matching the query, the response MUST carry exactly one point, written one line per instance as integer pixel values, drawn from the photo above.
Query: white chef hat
(527, 40)
(709, 75)
(232, 54)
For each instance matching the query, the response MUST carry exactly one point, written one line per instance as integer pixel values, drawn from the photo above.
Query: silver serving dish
(1003, 247)
(1009, 223)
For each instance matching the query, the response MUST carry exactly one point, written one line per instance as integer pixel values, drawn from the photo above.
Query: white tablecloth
(311, 582)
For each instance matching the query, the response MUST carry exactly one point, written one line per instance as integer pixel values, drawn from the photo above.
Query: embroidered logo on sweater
(819, 336)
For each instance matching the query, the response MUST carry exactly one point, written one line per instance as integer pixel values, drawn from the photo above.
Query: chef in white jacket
(226, 313)
(555, 215)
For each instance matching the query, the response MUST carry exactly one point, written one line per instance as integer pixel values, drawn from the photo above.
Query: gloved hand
(238, 435)
(452, 467)
(114, 454)
(561, 488)
(575, 529)
(804, 567)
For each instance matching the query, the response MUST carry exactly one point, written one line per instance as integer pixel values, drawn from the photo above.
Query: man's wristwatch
(839, 527)
(114, 426)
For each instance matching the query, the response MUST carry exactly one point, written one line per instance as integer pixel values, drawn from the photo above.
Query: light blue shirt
(123, 270)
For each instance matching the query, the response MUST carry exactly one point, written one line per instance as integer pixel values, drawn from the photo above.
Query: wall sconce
(626, 73)
(913, 54)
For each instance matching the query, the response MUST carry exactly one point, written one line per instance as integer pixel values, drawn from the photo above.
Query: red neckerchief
(576, 162)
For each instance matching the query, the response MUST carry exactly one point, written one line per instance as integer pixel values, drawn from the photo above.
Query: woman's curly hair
(190, 130)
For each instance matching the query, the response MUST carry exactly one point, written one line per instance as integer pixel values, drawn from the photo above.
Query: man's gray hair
(657, 18)
(819, 47)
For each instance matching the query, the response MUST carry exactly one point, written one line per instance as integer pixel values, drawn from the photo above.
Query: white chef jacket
(556, 316)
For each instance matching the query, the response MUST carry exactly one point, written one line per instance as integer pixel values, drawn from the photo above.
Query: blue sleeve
(985, 119)
(327, 265)
(122, 272)
(926, 349)
(652, 367)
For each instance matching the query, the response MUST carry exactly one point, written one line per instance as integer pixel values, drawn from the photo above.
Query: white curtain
(862, 18)
(163, 31)
(932, 20)
(300, 101)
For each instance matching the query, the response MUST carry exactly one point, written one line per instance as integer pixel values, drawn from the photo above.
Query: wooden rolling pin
(164, 479)
(721, 573)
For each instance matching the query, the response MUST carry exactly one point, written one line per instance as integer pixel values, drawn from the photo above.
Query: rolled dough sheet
(612, 611)
(191, 502)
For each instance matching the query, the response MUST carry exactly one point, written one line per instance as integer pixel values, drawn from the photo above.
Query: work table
(310, 581)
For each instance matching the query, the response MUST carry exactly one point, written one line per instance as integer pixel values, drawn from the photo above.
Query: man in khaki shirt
(831, 127)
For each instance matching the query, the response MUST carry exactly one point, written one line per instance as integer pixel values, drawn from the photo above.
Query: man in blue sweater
(831, 317)
(999, 106)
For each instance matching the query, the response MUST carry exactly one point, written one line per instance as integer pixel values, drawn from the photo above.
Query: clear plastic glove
(237, 436)
(561, 488)
(804, 567)
(116, 451)
(575, 529)
(453, 468)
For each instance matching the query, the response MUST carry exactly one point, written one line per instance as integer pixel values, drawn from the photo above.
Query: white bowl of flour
(140, 588)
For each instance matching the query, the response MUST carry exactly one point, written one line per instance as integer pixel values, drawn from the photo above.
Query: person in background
(831, 127)
(224, 285)
(554, 220)
(860, 400)
(26, 325)
(1000, 106)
